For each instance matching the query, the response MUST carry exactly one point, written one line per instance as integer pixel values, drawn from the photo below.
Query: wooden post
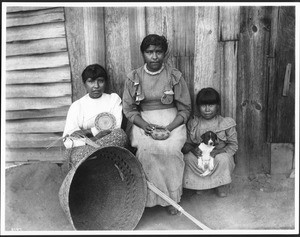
(253, 152)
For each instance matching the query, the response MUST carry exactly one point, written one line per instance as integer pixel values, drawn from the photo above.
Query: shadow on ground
(266, 202)
(263, 203)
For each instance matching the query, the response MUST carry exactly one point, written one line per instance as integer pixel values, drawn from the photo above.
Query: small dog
(205, 161)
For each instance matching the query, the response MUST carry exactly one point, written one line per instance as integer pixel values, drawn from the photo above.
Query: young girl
(208, 102)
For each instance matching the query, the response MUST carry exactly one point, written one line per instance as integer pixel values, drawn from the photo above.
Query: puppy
(205, 161)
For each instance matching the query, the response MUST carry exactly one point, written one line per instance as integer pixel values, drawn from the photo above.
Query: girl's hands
(215, 152)
(196, 151)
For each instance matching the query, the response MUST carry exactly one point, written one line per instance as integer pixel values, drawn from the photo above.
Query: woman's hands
(82, 133)
(102, 133)
(88, 133)
(148, 128)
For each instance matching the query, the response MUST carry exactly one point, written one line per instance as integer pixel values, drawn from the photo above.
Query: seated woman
(156, 95)
(208, 102)
(80, 124)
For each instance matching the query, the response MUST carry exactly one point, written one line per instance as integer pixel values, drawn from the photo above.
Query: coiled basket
(106, 190)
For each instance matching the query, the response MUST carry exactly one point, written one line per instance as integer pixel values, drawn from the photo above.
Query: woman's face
(208, 111)
(154, 57)
(96, 87)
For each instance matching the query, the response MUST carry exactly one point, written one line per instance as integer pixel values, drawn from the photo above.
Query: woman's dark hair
(208, 96)
(156, 40)
(93, 71)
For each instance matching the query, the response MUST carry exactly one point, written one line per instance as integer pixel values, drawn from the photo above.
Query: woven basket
(160, 134)
(117, 137)
(106, 190)
(105, 121)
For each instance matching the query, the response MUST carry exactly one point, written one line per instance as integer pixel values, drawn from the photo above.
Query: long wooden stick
(178, 207)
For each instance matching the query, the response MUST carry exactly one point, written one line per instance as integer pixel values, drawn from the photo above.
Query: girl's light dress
(82, 114)
(224, 162)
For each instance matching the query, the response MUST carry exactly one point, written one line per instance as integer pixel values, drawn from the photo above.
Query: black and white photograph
(150, 118)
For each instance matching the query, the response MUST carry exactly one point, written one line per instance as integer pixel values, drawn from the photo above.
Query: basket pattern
(130, 176)
(160, 133)
(105, 121)
(117, 137)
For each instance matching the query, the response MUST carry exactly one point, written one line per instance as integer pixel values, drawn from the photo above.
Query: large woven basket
(106, 190)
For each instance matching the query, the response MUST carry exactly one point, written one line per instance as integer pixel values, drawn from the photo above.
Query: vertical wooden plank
(184, 44)
(76, 48)
(229, 27)
(252, 90)
(137, 31)
(272, 73)
(118, 57)
(229, 79)
(184, 31)
(93, 21)
(154, 22)
(160, 21)
(168, 32)
(282, 108)
(207, 58)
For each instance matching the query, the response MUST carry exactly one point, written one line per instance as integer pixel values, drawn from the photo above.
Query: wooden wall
(38, 82)
(234, 49)
(204, 38)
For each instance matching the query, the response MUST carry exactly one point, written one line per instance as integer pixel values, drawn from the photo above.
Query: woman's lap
(162, 161)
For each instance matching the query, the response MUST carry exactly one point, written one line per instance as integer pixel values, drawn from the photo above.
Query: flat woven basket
(106, 190)
(105, 121)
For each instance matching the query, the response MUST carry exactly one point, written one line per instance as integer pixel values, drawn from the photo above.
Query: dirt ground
(263, 203)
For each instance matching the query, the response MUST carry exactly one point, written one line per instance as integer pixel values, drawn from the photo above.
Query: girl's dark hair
(156, 40)
(93, 71)
(208, 96)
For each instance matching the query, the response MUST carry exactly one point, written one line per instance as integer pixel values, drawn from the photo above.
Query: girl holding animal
(208, 103)
(156, 97)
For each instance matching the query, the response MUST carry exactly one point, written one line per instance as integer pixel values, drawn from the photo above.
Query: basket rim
(140, 181)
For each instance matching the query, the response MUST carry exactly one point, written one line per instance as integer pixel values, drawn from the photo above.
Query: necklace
(153, 73)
